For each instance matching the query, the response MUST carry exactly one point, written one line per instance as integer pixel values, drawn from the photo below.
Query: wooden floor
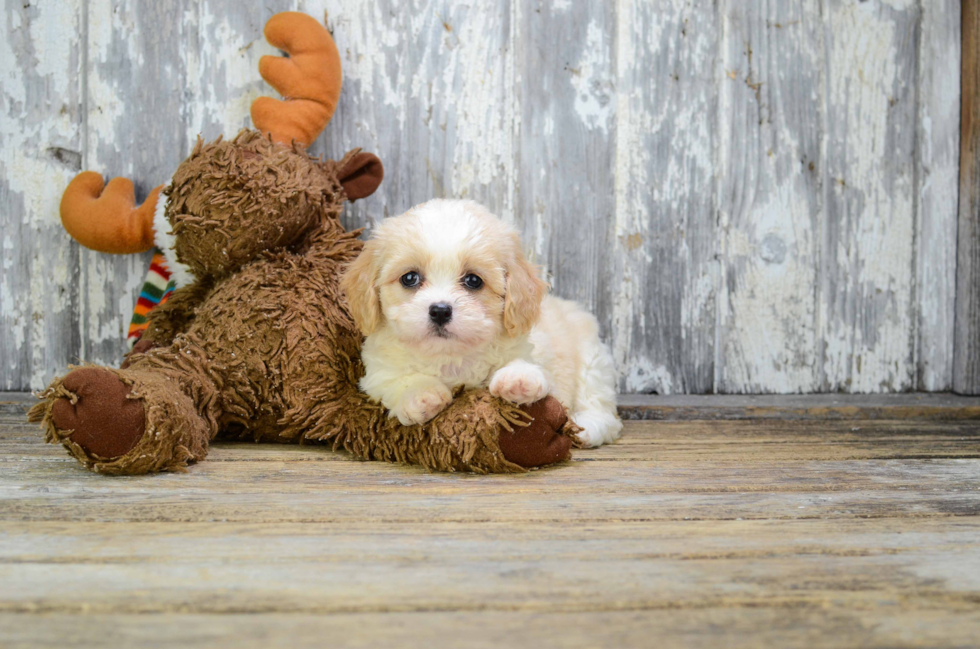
(776, 530)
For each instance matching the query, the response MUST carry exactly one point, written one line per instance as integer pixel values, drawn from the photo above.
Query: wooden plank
(916, 406)
(221, 45)
(228, 568)
(133, 103)
(966, 363)
(16, 403)
(431, 88)
(662, 270)
(659, 442)
(618, 106)
(657, 463)
(163, 543)
(869, 438)
(867, 245)
(770, 207)
(41, 135)
(567, 134)
(937, 191)
(775, 625)
(684, 429)
(765, 532)
(583, 492)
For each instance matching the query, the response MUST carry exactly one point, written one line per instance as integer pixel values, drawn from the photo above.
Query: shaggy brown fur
(262, 346)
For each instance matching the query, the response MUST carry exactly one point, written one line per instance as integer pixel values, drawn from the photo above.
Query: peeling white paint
(438, 87)
(631, 217)
(938, 175)
(594, 93)
(38, 60)
(874, 258)
(766, 301)
(646, 378)
(222, 74)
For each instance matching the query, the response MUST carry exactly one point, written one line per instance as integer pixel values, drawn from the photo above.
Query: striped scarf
(156, 289)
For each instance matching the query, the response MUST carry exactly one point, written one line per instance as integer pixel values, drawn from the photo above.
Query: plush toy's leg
(132, 421)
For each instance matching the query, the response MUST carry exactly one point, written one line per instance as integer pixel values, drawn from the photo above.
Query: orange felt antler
(309, 80)
(108, 221)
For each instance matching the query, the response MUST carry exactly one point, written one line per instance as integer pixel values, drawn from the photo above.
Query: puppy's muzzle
(440, 314)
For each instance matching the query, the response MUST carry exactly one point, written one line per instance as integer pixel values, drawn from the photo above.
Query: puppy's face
(444, 277)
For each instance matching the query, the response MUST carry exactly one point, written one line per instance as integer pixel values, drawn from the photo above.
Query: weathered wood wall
(966, 350)
(754, 196)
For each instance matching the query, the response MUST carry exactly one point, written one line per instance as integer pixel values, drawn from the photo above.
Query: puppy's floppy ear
(358, 283)
(525, 291)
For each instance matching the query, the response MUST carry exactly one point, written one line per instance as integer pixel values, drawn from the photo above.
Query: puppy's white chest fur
(461, 371)
(387, 358)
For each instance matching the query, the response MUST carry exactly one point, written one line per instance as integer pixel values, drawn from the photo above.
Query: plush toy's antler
(108, 221)
(309, 80)
(106, 217)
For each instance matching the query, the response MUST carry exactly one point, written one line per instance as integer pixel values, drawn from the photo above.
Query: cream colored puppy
(446, 298)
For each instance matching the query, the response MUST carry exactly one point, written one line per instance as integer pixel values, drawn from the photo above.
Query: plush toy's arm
(165, 321)
(176, 314)
(476, 432)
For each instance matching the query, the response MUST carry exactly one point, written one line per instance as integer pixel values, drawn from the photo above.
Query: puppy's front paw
(519, 383)
(421, 404)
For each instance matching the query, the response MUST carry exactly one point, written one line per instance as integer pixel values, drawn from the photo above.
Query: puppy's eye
(410, 279)
(473, 282)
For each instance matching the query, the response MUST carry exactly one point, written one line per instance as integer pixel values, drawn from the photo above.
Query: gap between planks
(912, 405)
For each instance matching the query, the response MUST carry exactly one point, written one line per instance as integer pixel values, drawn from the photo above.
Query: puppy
(446, 298)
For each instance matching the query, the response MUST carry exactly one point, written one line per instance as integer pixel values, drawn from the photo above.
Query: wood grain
(775, 625)
(918, 407)
(770, 209)
(660, 471)
(752, 196)
(748, 533)
(663, 275)
(41, 138)
(566, 191)
(937, 168)
(49, 568)
(966, 378)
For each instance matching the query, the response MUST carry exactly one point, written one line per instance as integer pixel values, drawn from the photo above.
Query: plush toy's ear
(358, 283)
(360, 175)
(525, 291)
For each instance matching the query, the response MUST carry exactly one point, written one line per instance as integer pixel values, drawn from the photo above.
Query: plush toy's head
(232, 199)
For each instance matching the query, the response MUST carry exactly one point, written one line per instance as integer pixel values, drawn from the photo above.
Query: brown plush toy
(258, 342)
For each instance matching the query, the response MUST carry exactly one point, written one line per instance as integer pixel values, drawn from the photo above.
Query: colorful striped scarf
(156, 289)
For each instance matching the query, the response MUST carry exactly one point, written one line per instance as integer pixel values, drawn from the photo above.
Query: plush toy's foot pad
(541, 443)
(105, 422)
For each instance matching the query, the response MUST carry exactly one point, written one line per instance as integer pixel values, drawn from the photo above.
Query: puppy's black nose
(440, 313)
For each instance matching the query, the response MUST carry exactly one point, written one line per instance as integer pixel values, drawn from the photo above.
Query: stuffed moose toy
(257, 342)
